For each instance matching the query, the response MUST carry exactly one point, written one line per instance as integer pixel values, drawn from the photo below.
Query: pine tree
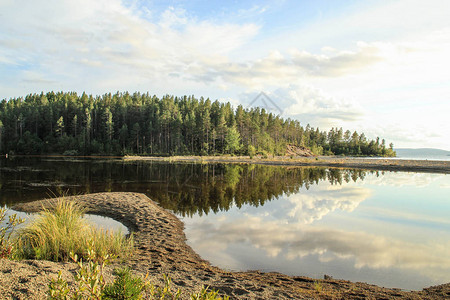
(232, 141)
(75, 125)
(60, 126)
(109, 124)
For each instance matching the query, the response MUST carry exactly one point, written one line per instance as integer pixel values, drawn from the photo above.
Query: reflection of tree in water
(185, 189)
(217, 187)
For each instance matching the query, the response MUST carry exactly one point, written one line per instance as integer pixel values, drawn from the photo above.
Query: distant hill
(421, 152)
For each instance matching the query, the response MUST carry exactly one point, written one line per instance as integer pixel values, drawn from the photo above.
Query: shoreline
(162, 249)
(382, 164)
(346, 162)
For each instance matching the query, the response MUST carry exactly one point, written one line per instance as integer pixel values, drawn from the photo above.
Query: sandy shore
(161, 249)
(384, 164)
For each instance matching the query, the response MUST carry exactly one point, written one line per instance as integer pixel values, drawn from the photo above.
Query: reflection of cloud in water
(311, 206)
(403, 179)
(293, 241)
(445, 186)
(286, 233)
(284, 229)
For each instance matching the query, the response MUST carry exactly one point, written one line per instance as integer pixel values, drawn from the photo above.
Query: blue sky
(380, 67)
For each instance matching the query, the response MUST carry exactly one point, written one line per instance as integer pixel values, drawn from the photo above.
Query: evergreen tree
(232, 141)
(59, 129)
(140, 123)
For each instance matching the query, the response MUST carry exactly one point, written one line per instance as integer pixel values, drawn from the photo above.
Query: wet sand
(383, 164)
(162, 249)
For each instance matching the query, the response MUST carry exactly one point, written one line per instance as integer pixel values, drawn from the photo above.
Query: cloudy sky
(379, 67)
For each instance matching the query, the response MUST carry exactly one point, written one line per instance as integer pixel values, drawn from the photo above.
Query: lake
(387, 228)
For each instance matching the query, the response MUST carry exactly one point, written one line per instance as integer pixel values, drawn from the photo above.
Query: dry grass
(60, 230)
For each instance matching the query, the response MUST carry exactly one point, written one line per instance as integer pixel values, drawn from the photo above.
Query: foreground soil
(161, 249)
(384, 164)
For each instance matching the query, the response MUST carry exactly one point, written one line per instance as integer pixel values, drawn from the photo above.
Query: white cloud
(277, 69)
(313, 106)
(339, 63)
(80, 42)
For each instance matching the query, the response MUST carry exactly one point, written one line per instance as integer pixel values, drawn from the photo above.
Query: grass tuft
(61, 229)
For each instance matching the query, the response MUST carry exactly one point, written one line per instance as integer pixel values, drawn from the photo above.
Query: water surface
(386, 228)
(392, 230)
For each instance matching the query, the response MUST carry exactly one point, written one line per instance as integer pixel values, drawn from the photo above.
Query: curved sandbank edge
(162, 249)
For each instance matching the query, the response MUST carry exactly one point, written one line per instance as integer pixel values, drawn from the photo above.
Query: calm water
(100, 222)
(385, 228)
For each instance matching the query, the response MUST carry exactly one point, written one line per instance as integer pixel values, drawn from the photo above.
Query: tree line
(123, 123)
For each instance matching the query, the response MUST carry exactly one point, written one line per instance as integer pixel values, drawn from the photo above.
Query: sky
(378, 67)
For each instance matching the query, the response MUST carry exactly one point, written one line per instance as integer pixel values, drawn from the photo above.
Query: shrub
(265, 154)
(251, 150)
(70, 153)
(125, 286)
(60, 230)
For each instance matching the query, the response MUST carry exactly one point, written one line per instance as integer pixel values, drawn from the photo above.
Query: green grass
(61, 229)
(125, 286)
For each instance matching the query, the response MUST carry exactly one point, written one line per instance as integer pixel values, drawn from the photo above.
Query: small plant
(90, 276)
(125, 286)
(318, 286)
(89, 279)
(58, 288)
(7, 245)
(166, 291)
(206, 294)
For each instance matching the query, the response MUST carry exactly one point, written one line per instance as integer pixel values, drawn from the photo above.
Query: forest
(123, 123)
